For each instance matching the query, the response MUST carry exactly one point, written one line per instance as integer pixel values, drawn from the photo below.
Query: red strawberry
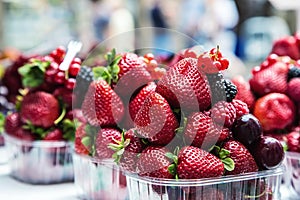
(132, 75)
(105, 137)
(137, 102)
(12, 123)
(274, 111)
(101, 105)
(244, 92)
(65, 95)
(240, 107)
(293, 89)
(185, 86)
(40, 109)
(286, 46)
(293, 141)
(243, 160)
(154, 163)
(24, 135)
(54, 135)
(200, 131)
(130, 155)
(270, 79)
(223, 113)
(225, 133)
(195, 163)
(81, 148)
(155, 120)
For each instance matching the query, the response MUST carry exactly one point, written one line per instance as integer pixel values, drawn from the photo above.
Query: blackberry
(230, 89)
(221, 89)
(83, 79)
(217, 88)
(293, 73)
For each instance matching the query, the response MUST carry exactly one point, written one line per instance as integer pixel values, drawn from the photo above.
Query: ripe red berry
(60, 51)
(224, 63)
(74, 69)
(70, 83)
(77, 60)
(272, 58)
(59, 77)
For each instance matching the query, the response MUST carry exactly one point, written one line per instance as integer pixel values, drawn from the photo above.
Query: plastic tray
(99, 179)
(291, 178)
(39, 162)
(259, 185)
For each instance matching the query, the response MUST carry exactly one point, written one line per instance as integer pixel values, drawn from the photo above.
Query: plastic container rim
(195, 182)
(36, 143)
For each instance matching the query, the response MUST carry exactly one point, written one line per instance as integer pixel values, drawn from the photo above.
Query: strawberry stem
(62, 115)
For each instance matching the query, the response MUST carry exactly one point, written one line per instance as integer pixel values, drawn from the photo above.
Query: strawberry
(105, 137)
(223, 113)
(185, 86)
(225, 133)
(293, 89)
(243, 160)
(137, 101)
(154, 163)
(293, 141)
(80, 146)
(195, 163)
(244, 92)
(274, 111)
(101, 105)
(12, 123)
(65, 95)
(54, 135)
(200, 131)
(130, 146)
(155, 120)
(286, 46)
(131, 76)
(24, 135)
(270, 79)
(240, 107)
(40, 109)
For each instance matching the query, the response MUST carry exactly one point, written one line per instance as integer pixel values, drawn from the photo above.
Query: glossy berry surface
(247, 129)
(267, 152)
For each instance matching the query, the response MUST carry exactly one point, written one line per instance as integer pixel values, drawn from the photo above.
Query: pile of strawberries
(43, 98)
(185, 123)
(273, 92)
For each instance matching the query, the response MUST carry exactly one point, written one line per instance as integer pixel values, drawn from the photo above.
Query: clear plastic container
(40, 162)
(259, 185)
(291, 180)
(99, 179)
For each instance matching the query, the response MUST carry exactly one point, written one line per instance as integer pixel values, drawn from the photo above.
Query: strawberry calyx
(19, 98)
(172, 169)
(119, 147)
(33, 73)
(38, 131)
(223, 155)
(69, 129)
(110, 72)
(89, 140)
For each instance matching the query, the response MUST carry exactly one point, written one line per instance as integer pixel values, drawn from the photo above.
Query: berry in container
(40, 131)
(181, 135)
(39, 162)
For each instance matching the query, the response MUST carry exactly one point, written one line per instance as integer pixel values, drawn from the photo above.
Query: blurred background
(243, 28)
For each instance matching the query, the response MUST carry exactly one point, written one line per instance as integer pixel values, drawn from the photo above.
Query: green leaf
(223, 153)
(86, 141)
(2, 122)
(69, 129)
(172, 169)
(228, 164)
(33, 73)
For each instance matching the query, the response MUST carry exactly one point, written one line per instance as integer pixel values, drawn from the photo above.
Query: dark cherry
(267, 152)
(247, 129)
